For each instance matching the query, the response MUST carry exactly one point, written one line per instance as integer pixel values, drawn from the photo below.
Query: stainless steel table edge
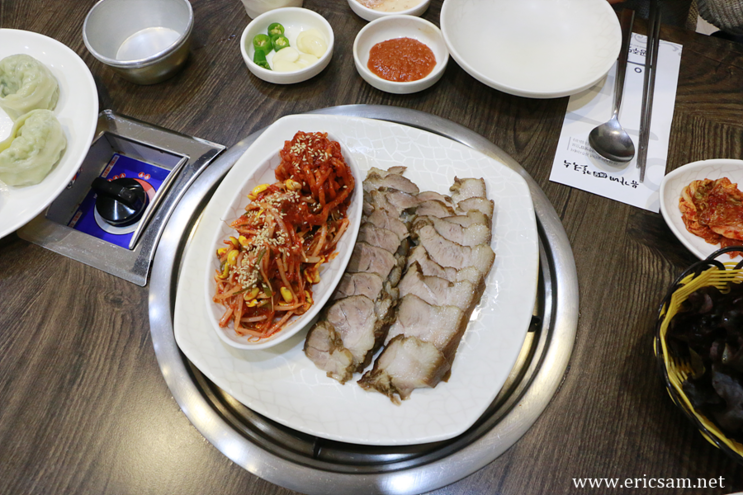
(418, 479)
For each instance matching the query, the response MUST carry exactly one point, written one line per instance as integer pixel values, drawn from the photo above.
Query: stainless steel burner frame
(311, 465)
(128, 136)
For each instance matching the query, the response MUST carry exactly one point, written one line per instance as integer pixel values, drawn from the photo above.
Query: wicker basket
(675, 369)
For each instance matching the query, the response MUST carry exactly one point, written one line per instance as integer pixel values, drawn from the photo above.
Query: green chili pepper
(260, 60)
(280, 42)
(275, 28)
(262, 42)
(267, 289)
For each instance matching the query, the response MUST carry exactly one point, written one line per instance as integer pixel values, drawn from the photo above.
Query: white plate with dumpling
(76, 110)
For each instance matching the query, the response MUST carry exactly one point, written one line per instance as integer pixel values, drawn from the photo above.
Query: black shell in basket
(676, 369)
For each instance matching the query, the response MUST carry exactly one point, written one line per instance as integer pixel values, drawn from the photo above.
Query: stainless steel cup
(144, 41)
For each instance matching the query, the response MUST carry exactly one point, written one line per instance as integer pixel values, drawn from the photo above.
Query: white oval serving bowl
(330, 273)
(400, 26)
(533, 48)
(369, 14)
(295, 20)
(675, 182)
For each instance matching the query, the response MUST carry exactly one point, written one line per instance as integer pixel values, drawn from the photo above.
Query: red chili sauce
(401, 60)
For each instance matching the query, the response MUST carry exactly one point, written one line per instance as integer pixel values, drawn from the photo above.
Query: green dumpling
(26, 84)
(35, 144)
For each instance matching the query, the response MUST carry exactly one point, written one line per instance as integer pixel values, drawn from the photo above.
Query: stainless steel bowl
(145, 41)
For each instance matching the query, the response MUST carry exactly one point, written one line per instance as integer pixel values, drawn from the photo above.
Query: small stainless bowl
(144, 41)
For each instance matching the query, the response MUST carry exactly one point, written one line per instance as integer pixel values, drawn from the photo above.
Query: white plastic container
(254, 8)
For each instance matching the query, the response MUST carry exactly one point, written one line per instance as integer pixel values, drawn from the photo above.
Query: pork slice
(398, 170)
(394, 202)
(360, 283)
(379, 237)
(437, 291)
(467, 188)
(368, 258)
(443, 326)
(362, 332)
(450, 254)
(375, 180)
(482, 205)
(433, 196)
(406, 364)
(383, 219)
(435, 208)
(466, 236)
(324, 347)
(399, 199)
(429, 267)
(472, 217)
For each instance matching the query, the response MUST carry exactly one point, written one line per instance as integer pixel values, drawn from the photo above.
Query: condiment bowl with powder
(287, 45)
(400, 54)
(374, 9)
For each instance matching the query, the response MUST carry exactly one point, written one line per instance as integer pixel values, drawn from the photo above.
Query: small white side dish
(330, 273)
(533, 48)
(400, 26)
(295, 20)
(369, 14)
(675, 182)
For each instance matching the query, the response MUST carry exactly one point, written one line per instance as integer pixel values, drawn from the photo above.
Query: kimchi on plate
(713, 210)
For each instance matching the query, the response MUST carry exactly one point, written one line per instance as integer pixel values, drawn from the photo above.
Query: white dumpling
(312, 41)
(36, 143)
(26, 84)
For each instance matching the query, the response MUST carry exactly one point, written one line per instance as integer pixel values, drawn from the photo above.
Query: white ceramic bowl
(370, 14)
(330, 273)
(400, 26)
(295, 20)
(675, 182)
(533, 48)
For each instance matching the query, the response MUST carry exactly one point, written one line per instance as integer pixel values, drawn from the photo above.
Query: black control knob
(120, 202)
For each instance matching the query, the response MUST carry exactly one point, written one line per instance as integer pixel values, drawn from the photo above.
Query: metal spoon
(610, 140)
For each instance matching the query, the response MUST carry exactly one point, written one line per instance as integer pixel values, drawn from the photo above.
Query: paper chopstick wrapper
(578, 165)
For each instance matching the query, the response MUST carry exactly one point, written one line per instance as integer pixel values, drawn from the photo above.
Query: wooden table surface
(83, 405)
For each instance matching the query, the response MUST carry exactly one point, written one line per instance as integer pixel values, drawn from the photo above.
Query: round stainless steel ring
(522, 412)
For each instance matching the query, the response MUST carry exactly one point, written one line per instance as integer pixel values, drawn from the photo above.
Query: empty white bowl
(400, 26)
(533, 48)
(295, 20)
(417, 7)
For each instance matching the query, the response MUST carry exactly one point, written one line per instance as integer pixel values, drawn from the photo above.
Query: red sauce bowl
(400, 26)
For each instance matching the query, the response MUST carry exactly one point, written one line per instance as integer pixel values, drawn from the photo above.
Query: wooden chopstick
(648, 86)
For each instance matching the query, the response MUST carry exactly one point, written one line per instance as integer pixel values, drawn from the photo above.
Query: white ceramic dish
(330, 273)
(533, 48)
(400, 26)
(369, 14)
(295, 20)
(76, 110)
(675, 182)
(282, 384)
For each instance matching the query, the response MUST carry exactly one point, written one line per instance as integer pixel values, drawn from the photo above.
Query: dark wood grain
(84, 408)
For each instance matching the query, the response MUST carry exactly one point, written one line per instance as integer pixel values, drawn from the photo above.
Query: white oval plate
(77, 111)
(281, 383)
(236, 186)
(533, 48)
(676, 181)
